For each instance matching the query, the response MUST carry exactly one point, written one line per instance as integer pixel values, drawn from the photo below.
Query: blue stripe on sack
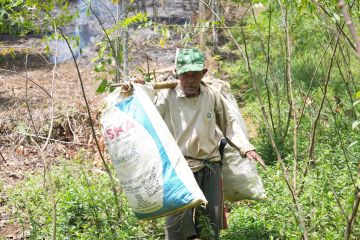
(176, 195)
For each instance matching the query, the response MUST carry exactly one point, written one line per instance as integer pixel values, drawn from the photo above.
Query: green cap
(189, 60)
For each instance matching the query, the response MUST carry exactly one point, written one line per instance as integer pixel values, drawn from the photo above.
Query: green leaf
(357, 102)
(17, 3)
(99, 67)
(355, 124)
(111, 89)
(352, 144)
(102, 87)
(357, 95)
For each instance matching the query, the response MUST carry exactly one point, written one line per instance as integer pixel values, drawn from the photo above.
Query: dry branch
(350, 25)
(2, 157)
(315, 124)
(53, 140)
(352, 216)
(27, 78)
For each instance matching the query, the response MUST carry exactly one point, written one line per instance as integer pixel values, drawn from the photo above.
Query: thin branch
(339, 203)
(352, 216)
(102, 27)
(350, 25)
(52, 139)
(26, 95)
(51, 188)
(3, 157)
(267, 73)
(342, 144)
(107, 8)
(27, 78)
(291, 93)
(347, 64)
(258, 28)
(91, 120)
(346, 83)
(311, 83)
(314, 127)
(338, 27)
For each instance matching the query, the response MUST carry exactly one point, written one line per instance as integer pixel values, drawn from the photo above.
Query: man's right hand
(253, 156)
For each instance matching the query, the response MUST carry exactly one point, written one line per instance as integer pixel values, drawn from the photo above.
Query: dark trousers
(189, 224)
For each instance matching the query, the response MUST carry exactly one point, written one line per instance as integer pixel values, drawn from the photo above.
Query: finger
(250, 157)
(262, 163)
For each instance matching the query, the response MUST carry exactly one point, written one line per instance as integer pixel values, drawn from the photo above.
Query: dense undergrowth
(309, 91)
(84, 206)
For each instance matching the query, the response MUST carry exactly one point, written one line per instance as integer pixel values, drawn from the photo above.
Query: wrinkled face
(190, 82)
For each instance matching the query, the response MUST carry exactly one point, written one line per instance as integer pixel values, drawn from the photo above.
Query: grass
(85, 207)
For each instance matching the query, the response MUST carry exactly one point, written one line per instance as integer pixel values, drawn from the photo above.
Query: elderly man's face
(190, 82)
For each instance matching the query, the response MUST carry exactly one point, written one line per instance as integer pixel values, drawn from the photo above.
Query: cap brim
(190, 68)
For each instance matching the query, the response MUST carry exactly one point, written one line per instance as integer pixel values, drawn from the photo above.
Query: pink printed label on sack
(112, 133)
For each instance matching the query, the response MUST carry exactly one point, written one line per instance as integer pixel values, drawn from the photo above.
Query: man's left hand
(252, 155)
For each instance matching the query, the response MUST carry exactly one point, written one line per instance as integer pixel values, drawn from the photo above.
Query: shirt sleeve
(161, 102)
(230, 126)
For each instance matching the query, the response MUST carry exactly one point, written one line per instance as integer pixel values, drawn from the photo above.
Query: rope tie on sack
(208, 170)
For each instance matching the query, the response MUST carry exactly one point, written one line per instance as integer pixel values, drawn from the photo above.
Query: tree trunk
(201, 20)
(215, 31)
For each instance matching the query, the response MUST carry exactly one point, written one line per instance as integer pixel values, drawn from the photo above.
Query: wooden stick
(51, 139)
(155, 85)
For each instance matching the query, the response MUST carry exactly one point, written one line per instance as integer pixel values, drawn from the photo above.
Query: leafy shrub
(85, 207)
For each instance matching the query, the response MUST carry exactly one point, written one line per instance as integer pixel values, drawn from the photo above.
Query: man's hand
(137, 80)
(253, 156)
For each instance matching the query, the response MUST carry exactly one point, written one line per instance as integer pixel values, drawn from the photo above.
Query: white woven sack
(240, 177)
(150, 166)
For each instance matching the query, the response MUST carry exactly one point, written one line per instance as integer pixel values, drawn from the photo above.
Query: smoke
(87, 30)
(84, 31)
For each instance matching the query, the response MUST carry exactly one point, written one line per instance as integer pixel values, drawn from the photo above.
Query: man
(194, 113)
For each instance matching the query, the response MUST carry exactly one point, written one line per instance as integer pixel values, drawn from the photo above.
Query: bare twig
(53, 140)
(339, 203)
(314, 127)
(27, 78)
(350, 25)
(338, 27)
(51, 187)
(346, 84)
(311, 83)
(26, 95)
(3, 157)
(91, 120)
(102, 27)
(289, 81)
(347, 65)
(352, 216)
(267, 73)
